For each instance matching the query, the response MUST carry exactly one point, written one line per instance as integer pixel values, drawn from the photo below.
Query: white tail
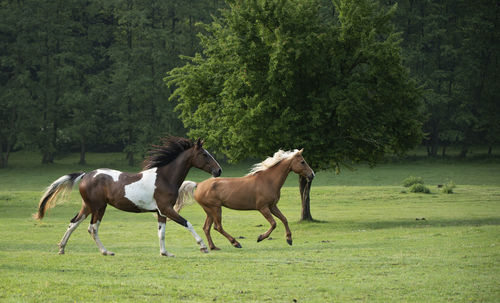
(58, 190)
(186, 192)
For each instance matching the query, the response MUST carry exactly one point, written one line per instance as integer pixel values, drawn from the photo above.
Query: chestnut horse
(259, 190)
(155, 189)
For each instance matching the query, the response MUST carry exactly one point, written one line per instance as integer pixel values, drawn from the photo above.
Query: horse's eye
(302, 162)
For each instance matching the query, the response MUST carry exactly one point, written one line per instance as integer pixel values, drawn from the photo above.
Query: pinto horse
(155, 189)
(259, 190)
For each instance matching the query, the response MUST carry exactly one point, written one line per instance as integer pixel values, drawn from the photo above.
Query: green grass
(367, 245)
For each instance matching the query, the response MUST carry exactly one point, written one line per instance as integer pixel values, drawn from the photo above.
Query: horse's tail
(60, 188)
(185, 197)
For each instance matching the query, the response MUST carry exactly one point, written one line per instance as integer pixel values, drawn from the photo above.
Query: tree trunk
(130, 157)
(47, 157)
(305, 189)
(82, 152)
(464, 151)
(3, 160)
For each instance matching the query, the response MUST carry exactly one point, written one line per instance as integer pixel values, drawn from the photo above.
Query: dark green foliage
(419, 188)
(448, 187)
(279, 74)
(412, 180)
(79, 75)
(452, 48)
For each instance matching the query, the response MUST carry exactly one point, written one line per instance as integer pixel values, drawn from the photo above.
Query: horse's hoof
(289, 241)
(204, 250)
(237, 245)
(61, 252)
(108, 253)
(167, 254)
(214, 248)
(260, 238)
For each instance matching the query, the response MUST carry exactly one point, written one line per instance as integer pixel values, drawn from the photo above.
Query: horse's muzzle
(216, 172)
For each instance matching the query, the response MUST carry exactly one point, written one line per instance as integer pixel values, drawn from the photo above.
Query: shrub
(419, 188)
(448, 187)
(412, 180)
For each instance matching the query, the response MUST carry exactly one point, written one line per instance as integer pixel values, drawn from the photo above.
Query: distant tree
(278, 74)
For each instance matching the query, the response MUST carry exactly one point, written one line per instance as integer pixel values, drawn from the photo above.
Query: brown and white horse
(155, 189)
(259, 190)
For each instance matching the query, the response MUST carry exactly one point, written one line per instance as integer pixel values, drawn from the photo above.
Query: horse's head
(203, 160)
(299, 166)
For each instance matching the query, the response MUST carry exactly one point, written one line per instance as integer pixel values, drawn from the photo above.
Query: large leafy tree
(285, 74)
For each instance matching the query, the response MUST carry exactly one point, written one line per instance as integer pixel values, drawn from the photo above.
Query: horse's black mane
(163, 154)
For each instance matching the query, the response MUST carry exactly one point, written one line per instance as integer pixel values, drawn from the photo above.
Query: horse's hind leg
(84, 212)
(217, 217)
(94, 227)
(267, 214)
(277, 213)
(206, 228)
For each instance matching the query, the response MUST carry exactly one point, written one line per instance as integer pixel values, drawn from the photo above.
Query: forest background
(89, 75)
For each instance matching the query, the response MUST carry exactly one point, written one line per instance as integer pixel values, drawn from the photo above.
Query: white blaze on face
(115, 174)
(212, 157)
(141, 192)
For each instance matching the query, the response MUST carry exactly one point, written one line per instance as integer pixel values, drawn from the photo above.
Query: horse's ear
(199, 143)
(300, 151)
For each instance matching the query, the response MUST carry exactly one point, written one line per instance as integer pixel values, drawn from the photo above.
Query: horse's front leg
(267, 214)
(161, 236)
(274, 209)
(169, 212)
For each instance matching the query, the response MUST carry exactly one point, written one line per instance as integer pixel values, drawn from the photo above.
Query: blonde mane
(278, 156)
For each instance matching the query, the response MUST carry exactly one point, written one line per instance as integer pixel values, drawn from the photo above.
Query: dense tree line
(88, 75)
(452, 48)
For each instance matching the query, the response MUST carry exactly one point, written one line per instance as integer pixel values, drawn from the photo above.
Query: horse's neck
(277, 174)
(176, 171)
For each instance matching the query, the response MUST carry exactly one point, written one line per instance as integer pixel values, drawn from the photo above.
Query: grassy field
(367, 245)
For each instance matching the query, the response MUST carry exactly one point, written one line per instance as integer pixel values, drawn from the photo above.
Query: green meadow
(373, 241)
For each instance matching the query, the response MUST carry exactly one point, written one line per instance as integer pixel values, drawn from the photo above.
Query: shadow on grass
(429, 222)
(410, 223)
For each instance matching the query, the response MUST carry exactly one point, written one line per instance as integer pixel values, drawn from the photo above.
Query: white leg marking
(199, 240)
(193, 232)
(72, 226)
(161, 237)
(93, 229)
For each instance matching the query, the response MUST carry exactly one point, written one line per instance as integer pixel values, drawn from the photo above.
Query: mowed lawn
(373, 242)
